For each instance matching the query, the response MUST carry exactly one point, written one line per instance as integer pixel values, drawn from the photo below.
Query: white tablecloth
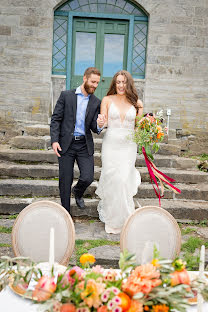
(10, 302)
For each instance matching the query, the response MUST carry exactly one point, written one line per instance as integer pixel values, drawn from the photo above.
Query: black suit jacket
(64, 118)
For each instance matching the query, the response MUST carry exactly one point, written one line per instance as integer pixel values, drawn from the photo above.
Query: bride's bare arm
(140, 108)
(104, 109)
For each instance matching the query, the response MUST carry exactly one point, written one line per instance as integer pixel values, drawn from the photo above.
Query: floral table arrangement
(148, 135)
(159, 286)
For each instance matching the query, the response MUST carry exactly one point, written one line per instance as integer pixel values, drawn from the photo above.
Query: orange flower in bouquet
(160, 308)
(180, 277)
(125, 301)
(68, 307)
(162, 287)
(142, 279)
(44, 288)
(148, 134)
(136, 306)
(91, 293)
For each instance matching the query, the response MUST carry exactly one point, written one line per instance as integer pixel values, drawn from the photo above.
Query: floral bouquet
(148, 134)
(159, 286)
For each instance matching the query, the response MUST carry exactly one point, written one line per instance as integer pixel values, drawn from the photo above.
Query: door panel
(100, 43)
(84, 42)
(113, 54)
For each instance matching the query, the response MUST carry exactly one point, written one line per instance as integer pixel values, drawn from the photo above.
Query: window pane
(59, 44)
(113, 54)
(84, 52)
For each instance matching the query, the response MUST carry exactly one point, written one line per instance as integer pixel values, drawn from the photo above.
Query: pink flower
(116, 300)
(69, 276)
(105, 296)
(44, 288)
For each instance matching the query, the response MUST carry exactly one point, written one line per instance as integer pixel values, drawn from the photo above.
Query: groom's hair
(91, 70)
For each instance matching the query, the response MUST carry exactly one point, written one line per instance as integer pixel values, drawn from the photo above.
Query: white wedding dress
(119, 178)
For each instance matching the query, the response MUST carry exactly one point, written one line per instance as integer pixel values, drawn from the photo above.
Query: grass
(11, 217)
(203, 223)
(201, 157)
(82, 246)
(192, 243)
(5, 245)
(187, 231)
(4, 229)
(192, 262)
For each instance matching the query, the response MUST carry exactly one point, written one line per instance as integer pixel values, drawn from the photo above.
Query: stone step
(48, 171)
(31, 142)
(37, 130)
(43, 156)
(43, 142)
(180, 209)
(37, 188)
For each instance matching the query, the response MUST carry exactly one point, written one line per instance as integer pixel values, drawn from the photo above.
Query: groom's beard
(88, 88)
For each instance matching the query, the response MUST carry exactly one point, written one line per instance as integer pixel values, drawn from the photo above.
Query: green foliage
(203, 223)
(192, 262)
(192, 243)
(4, 229)
(5, 245)
(127, 261)
(11, 217)
(149, 134)
(187, 231)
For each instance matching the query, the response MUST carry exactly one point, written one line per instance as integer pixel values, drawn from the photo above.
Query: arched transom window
(108, 34)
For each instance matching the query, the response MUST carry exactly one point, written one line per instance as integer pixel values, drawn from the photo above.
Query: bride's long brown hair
(130, 90)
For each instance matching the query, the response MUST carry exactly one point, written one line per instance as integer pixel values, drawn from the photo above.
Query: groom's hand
(101, 120)
(56, 147)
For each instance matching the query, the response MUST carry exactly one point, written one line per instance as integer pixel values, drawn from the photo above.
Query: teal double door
(100, 43)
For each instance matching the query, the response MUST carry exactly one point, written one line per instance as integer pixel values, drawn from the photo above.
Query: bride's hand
(101, 120)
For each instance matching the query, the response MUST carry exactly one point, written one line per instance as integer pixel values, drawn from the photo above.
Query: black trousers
(77, 151)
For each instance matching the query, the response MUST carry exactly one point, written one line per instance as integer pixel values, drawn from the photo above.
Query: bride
(119, 178)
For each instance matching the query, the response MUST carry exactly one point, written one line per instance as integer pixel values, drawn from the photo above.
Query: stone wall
(26, 32)
(176, 69)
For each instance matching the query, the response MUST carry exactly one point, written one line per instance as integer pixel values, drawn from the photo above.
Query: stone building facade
(176, 71)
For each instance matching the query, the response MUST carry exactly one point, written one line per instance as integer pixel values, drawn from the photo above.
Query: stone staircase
(29, 172)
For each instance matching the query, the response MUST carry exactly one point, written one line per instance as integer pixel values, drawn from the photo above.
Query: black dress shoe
(79, 201)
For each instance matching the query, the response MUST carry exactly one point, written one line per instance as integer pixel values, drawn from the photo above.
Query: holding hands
(101, 120)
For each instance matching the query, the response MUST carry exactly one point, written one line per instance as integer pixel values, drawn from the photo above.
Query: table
(10, 302)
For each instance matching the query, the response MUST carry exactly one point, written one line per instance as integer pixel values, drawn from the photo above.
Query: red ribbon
(150, 165)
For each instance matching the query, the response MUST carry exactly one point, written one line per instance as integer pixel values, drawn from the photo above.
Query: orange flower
(44, 288)
(142, 279)
(102, 309)
(68, 307)
(87, 258)
(159, 135)
(125, 301)
(180, 277)
(160, 308)
(136, 306)
(146, 308)
(92, 292)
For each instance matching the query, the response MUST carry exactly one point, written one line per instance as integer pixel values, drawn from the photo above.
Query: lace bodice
(114, 118)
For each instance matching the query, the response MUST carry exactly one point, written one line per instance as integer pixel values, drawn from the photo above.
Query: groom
(74, 116)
